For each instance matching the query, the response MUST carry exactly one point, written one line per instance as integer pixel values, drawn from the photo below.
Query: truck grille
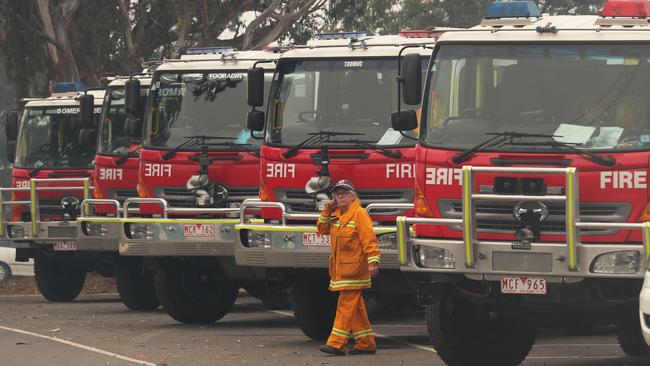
(181, 197)
(122, 194)
(498, 216)
(297, 200)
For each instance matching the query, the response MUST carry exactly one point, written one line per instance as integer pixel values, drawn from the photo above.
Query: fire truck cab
(198, 164)
(51, 175)
(531, 179)
(328, 118)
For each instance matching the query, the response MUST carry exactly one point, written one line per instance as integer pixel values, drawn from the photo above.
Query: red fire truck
(115, 179)
(531, 179)
(198, 164)
(51, 174)
(329, 119)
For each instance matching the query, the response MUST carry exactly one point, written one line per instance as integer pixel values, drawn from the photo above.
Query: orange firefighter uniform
(354, 248)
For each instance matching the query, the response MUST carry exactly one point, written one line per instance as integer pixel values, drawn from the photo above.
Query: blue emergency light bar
(208, 50)
(339, 35)
(512, 9)
(67, 87)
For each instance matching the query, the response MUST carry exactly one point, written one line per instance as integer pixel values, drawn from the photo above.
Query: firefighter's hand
(374, 270)
(331, 205)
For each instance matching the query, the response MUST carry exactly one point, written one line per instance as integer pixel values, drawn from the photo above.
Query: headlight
(434, 257)
(141, 231)
(17, 232)
(95, 229)
(618, 262)
(257, 239)
(387, 241)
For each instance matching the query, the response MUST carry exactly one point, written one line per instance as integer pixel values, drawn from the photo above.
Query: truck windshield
(191, 104)
(50, 136)
(349, 95)
(591, 96)
(112, 136)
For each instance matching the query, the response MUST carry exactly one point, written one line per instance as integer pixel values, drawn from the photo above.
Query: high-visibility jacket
(354, 246)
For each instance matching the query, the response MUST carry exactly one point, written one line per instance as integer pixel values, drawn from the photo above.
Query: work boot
(331, 350)
(357, 352)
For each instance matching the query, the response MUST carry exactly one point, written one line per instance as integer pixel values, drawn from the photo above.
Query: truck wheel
(630, 338)
(194, 292)
(134, 285)
(56, 280)
(314, 307)
(5, 272)
(465, 334)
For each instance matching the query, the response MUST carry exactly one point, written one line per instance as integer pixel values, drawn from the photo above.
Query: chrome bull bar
(287, 249)
(469, 240)
(33, 202)
(168, 236)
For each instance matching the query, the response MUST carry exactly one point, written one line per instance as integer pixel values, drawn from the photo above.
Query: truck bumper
(283, 246)
(177, 237)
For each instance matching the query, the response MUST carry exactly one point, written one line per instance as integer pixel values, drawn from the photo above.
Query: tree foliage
(60, 40)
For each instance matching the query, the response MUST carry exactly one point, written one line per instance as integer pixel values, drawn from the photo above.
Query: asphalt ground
(99, 330)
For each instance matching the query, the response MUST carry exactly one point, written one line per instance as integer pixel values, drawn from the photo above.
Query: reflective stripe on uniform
(340, 332)
(324, 219)
(373, 259)
(362, 333)
(358, 283)
(349, 224)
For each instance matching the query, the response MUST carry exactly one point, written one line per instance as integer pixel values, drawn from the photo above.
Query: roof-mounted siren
(327, 36)
(625, 13)
(69, 87)
(511, 12)
(419, 33)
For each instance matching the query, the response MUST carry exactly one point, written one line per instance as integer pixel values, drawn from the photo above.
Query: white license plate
(64, 245)
(198, 230)
(315, 239)
(523, 285)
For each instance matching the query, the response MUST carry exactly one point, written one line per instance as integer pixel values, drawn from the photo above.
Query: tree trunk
(55, 21)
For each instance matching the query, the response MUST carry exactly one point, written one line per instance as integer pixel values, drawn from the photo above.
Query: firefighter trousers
(351, 318)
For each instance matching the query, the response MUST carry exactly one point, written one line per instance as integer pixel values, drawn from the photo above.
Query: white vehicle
(10, 268)
(644, 308)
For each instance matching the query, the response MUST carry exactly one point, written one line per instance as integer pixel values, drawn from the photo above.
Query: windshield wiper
(124, 157)
(314, 138)
(233, 146)
(46, 164)
(371, 145)
(496, 139)
(192, 141)
(598, 159)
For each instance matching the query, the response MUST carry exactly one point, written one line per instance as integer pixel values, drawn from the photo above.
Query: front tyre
(194, 291)
(314, 307)
(631, 339)
(134, 285)
(58, 280)
(467, 334)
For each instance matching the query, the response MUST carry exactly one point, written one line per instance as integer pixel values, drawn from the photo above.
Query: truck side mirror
(86, 109)
(405, 120)
(11, 151)
(412, 78)
(255, 120)
(11, 128)
(132, 96)
(255, 96)
(88, 137)
(133, 127)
